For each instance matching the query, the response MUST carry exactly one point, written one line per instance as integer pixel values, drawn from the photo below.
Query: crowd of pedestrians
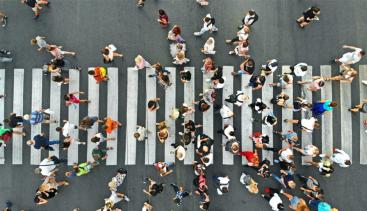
(285, 174)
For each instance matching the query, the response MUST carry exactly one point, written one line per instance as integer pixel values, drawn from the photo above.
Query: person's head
(348, 162)
(235, 147)
(231, 133)
(180, 55)
(288, 79)
(333, 104)
(151, 103)
(251, 12)
(30, 142)
(121, 171)
(362, 53)
(23, 1)
(68, 173)
(91, 72)
(245, 44)
(321, 83)
(250, 63)
(136, 135)
(225, 190)
(302, 206)
(176, 200)
(291, 184)
(95, 139)
(304, 68)
(105, 51)
(206, 19)
(33, 42)
(51, 48)
(205, 106)
(315, 10)
(205, 160)
(58, 129)
(252, 188)
(176, 30)
(205, 149)
(179, 155)
(161, 12)
(112, 184)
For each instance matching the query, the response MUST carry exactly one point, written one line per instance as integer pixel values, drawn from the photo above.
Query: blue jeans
(53, 142)
(277, 178)
(314, 203)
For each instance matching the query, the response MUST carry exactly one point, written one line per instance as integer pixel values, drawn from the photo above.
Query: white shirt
(66, 128)
(340, 157)
(226, 112)
(274, 201)
(284, 155)
(298, 71)
(352, 57)
(41, 42)
(223, 180)
(47, 166)
(308, 124)
(242, 35)
(227, 130)
(209, 48)
(181, 150)
(114, 198)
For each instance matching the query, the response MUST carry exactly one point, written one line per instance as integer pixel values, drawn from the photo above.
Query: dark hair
(304, 68)
(347, 162)
(321, 83)
(105, 51)
(362, 53)
(95, 139)
(231, 133)
(59, 129)
(221, 80)
(161, 12)
(315, 9)
(176, 30)
(151, 104)
(122, 171)
(6, 120)
(91, 72)
(66, 97)
(250, 62)
(57, 78)
(251, 12)
(224, 190)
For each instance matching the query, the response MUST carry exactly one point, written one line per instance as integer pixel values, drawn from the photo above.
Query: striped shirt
(36, 117)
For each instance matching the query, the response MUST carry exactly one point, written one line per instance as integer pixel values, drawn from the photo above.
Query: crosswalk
(190, 93)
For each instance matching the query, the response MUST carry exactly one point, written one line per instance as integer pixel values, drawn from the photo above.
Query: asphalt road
(86, 26)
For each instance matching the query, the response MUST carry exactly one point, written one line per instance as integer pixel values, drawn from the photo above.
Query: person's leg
(201, 32)
(175, 187)
(289, 196)
(53, 142)
(68, 53)
(277, 178)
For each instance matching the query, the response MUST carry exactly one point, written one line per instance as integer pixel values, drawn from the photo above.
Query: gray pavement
(86, 26)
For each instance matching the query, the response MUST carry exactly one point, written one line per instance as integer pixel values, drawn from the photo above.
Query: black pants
(236, 39)
(271, 193)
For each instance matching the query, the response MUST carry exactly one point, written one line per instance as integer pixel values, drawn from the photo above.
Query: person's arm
(42, 201)
(351, 47)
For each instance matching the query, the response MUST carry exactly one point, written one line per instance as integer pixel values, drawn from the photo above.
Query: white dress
(111, 49)
(352, 57)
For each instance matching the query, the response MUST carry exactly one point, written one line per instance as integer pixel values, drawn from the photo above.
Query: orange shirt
(111, 125)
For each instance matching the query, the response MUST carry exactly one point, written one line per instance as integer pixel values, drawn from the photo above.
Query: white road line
(246, 115)
(93, 110)
(18, 109)
(327, 119)
(131, 115)
(306, 137)
(227, 90)
(55, 94)
(151, 118)
(2, 105)
(189, 93)
(267, 95)
(73, 117)
(346, 118)
(112, 111)
(36, 105)
(286, 112)
(170, 104)
(363, 116)
(208, 116)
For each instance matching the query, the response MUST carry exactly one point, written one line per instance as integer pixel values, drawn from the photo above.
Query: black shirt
(14, 120)
(31, 3)
(309, 14)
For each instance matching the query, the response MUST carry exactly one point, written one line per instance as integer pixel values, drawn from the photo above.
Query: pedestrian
(272, 196)
(238, 99)
(322, 106)
(164, 168)
(208, 65)
(307, 125)
(140, 63)
(185, 110)
(72, 99)
(203, 2)
(280, 100)
(141, 133)
(39, 116)
(153, 104)
(346, 75)
(217, 82)
(270, 67)
(8, 206)
(163, 18)
(40, 41)
(321, 205)
(163, 132)
(180, 58)
(308, 15)
(110, 125)
(324, 166)
(250, 18)
(65, 129)
(209, 95)
(60, 80)
(88, 121)
(289, 137)
(119, 178)
(232, 146)
(362, 107)
(310, 184)
(80, 169)
(286, 179)
(339, 157)
(175, 34)
(4, 19)
(351, 57)
(270, 120)
(252, 158)
(36, 6)
(154, 188)
(180, 194)
(285, 81)
(241, 36)
(242, 49)
(286, 154)
(57, 53)
(208, 25)
(204, 201)
(250, 184)
(99, 138)
(39, 141)
(114, 198)
(299, 70)
(99, 154)
(140, 3)
(99, 74)
(209, 46)
(223, 184)
(264, 169)
(315, 84)
(261, 141)
(47, 166)
(69, 140)
(246, 67)
(257, 81)
(5, 56)
(300, 104)
(225, 112)
(14, 121)
(296, 203)
(109, 53)
(6, 135)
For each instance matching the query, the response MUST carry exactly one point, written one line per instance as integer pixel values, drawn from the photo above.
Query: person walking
(4, 19)
(296, 203)
(362, 107)
(36, 6)
(339, 157)
(209, 46)
(72, 99)
(110, 125)
(163, 18)
(88, 121)
(80, 169)
(39, 116)
(39, 141)
(48, 166)
(154, 188)
(351, 57)
(6, 135)
(57, 53)
(250, 18)
(320, 107)
(14, 121)
(309, 15)
(272, 196)
(109, 53)
(99, 74)
(208, 25)
(180, 194)
(40, 41)
(223, 184)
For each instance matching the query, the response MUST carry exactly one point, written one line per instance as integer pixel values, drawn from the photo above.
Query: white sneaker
(197, 33)
(364, 82)
(321, 155)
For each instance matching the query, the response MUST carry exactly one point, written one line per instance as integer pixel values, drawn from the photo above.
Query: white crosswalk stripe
(189, 93)
(306, 137)
(227, 90)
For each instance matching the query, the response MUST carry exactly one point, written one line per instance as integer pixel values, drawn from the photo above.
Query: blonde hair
(112, 184)
(252, 188)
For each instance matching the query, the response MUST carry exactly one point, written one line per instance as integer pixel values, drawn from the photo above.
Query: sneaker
(126, 198)
(5, 21)
(231, 52)
(281, 191)
(4, 51)
(364, 82)
(151, 76)
(197, 33)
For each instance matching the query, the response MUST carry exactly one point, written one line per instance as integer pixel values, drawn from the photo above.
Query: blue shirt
(36, 117)
(40, 141)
